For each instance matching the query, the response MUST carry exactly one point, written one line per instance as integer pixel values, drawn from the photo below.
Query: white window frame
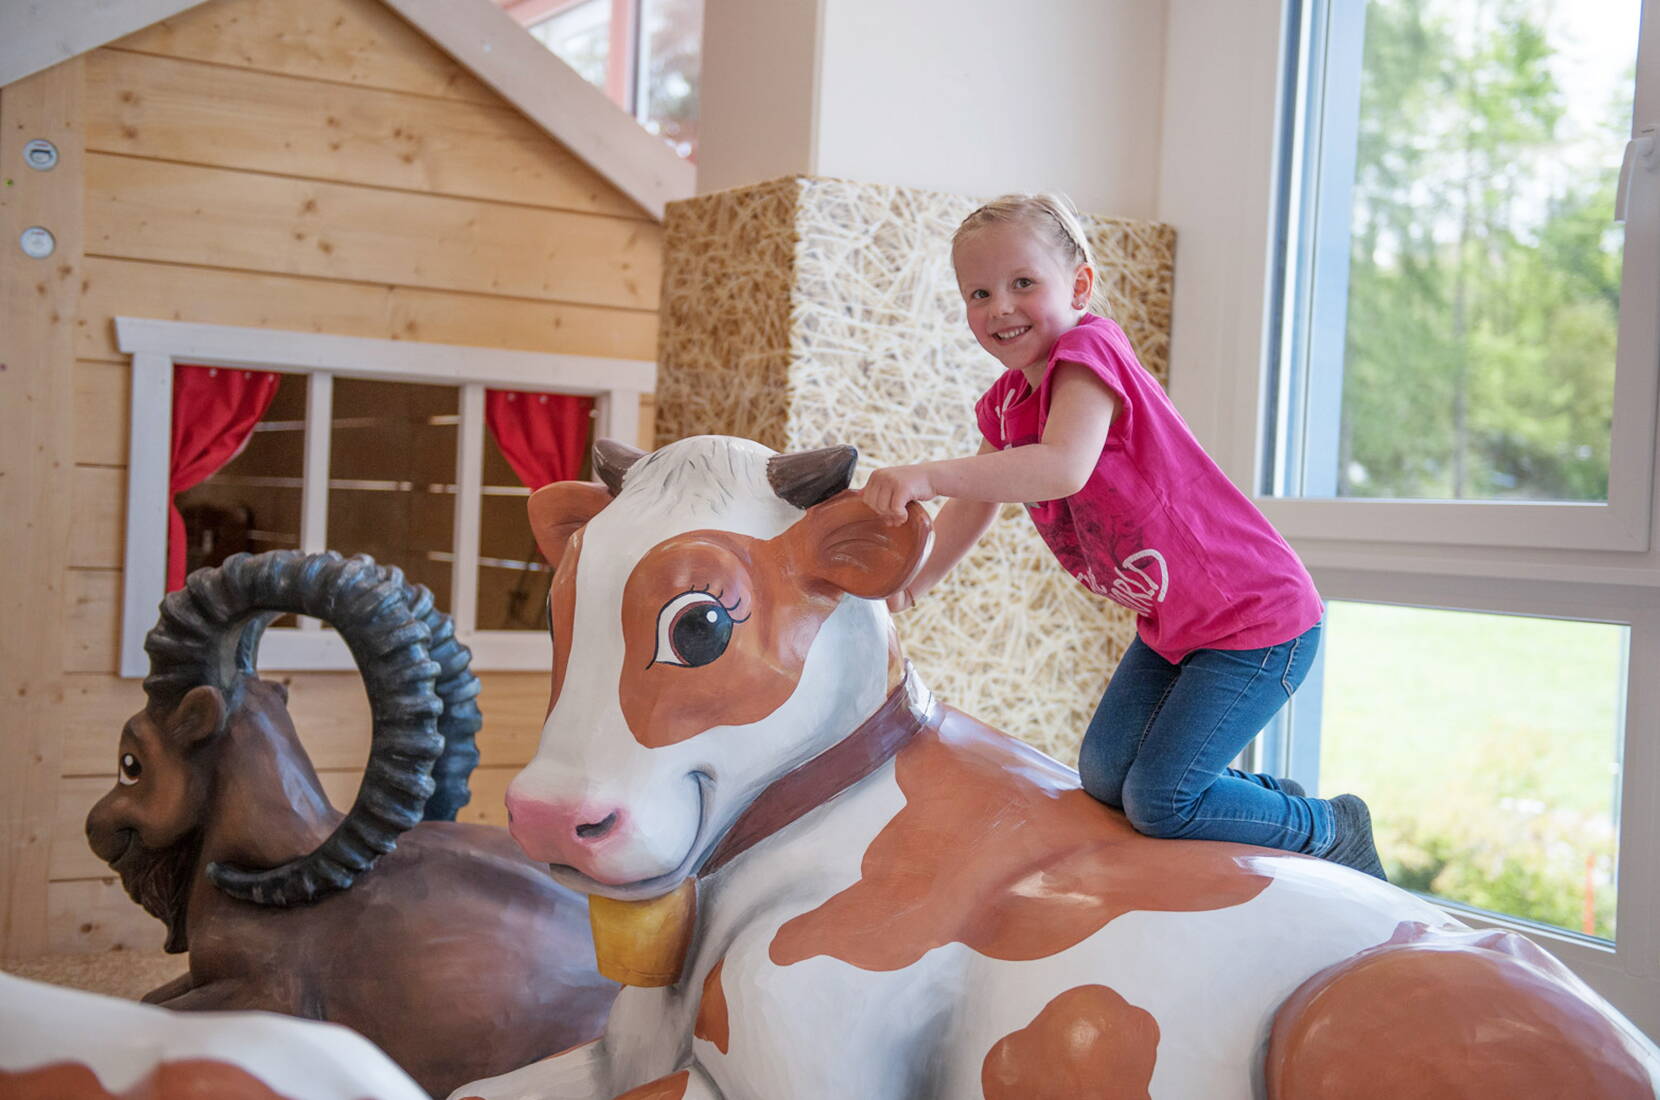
(155, 346)
(1331, 43)
(1219, 162)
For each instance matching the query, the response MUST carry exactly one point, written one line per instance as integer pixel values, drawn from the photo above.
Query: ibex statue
(440, 942)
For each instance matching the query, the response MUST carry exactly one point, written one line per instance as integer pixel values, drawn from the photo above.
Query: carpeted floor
(129, 974)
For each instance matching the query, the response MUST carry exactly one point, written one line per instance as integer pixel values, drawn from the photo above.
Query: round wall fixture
(41, 155)
(37, 242)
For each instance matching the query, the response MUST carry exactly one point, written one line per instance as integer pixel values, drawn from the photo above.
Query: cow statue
(66, 1044)
(818, 882)
(439, 941)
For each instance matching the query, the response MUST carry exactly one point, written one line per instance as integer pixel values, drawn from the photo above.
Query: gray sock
(1292, 788)
(1354, 846)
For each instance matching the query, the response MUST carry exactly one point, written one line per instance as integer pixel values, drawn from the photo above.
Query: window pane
(1454, 272)
(579, 35)
(252, 504)
(672, 37)
(1488, 749)
(512, 578)
(392, 477)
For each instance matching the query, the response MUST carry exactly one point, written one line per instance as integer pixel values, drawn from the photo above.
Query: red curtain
(214, 411)
(542, 435)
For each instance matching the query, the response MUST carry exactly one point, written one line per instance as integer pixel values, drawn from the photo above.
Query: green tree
(1481, 320)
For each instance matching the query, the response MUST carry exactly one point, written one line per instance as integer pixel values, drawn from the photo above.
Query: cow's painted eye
(131, 769)
(693, 629)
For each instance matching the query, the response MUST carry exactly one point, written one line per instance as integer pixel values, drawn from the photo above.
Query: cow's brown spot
(672, 1087)
(558, 512)
(712, 1023)
(781, 588)
(1087, 1042)
(1436, 1014)
(562, 613)
(188, 1078)
(998, 849)
(774, 623)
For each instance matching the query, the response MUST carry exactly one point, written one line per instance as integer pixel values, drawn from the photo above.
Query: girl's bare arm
(1081, 412)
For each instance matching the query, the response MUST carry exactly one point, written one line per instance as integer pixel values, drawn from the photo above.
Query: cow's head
(709, 636)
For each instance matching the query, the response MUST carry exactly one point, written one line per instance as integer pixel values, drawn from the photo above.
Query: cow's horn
(808, 477)
(612, 461)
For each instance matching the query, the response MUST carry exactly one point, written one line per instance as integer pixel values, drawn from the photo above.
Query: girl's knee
(1102, 787)
(1100, 780)
(1156, 812)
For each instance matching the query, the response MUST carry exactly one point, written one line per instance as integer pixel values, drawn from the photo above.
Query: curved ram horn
(612, 461)
(208, 634)
(807, 477)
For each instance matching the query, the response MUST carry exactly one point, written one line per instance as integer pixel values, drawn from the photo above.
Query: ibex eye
(693, 629)
(131, 769)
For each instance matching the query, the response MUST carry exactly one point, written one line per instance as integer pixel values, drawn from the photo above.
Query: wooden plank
(139, 209)
(39, 299)
(347, 41)
(175, 110)
(99, 513)
(92, 623)
(487, 40)
(40, 35)
(93, 915)
(328, 709)
(73, 858)
(103, 395)
(168, 292)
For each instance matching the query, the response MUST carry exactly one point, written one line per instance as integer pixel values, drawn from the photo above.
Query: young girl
(1228, 620)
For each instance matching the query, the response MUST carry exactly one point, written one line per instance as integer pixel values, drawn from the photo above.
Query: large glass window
(645, 54)
(1449, 321)
(1488, 747)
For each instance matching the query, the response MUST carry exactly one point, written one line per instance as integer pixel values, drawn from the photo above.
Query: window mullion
(469, 491)
(314, 492)
(620, 82)
(149, 473)
(1318, 402)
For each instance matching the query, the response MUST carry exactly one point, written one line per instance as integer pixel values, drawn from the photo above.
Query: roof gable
(476, 33)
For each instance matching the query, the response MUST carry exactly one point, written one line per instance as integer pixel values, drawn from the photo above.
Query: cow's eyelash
(720, 598)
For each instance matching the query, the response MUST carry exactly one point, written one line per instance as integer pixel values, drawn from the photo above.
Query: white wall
(973, 96)
(756, 92)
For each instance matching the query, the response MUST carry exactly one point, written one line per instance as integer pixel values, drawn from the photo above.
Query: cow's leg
(647, 1037)
(577, 1073)
(1473, 1014)
(688, 1084)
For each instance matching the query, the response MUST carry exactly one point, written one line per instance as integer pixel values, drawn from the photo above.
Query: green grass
(1486, 746)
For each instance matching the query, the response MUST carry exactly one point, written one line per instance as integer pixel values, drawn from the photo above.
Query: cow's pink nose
(559, 832)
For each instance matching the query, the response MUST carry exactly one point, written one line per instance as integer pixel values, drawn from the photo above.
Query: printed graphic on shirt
(1141, 577)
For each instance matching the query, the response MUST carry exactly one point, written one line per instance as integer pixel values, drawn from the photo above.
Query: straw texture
(807, 312)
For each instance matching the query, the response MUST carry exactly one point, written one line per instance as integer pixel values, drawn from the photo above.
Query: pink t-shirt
(1157, 527)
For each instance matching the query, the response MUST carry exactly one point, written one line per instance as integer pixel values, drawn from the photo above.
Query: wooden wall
(312, 165)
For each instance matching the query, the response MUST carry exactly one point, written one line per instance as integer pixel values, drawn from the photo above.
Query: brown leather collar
(909, 709)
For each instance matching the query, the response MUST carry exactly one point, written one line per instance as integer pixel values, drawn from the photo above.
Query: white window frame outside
(1219, 165)
(155, 346)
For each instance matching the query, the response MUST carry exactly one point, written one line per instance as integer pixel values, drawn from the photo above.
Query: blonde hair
(1049, 215)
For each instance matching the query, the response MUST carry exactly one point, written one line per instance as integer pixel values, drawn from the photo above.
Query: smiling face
(1021, 292)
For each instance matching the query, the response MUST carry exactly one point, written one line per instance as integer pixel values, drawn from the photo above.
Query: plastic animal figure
(820, 882)
(438, 941)
(65, 1044)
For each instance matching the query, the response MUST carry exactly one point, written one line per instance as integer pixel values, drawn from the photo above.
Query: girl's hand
(901, 601)
(891, 488)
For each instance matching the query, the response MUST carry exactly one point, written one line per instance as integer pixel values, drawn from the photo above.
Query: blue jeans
(1160, 741)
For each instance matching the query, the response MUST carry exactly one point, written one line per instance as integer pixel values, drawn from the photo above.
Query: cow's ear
(844, 543)
(557, 510)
